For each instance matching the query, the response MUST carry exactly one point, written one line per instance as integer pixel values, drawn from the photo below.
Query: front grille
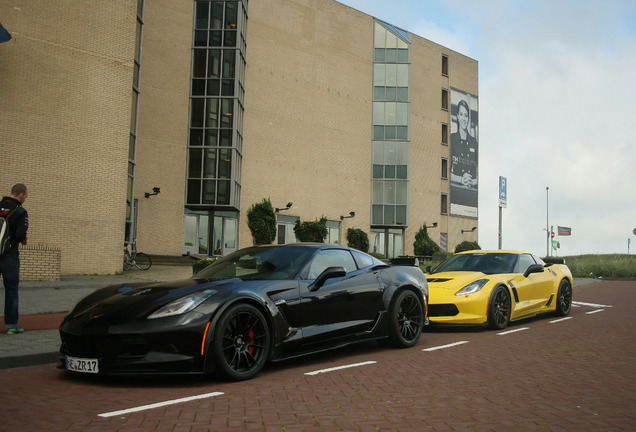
(92, 346)
(439, 310)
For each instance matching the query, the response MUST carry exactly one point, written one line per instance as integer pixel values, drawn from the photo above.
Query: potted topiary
(200, 264)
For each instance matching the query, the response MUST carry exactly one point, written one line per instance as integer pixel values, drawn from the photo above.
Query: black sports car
(258, 304)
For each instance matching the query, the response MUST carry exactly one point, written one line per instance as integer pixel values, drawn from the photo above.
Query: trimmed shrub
(261, 221)
(358, 239)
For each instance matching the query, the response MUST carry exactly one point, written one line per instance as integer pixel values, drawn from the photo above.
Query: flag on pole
(4, 35)
(564, 231)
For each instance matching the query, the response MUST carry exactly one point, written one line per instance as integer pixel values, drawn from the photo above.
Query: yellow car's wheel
(499, 308)
(564, 298)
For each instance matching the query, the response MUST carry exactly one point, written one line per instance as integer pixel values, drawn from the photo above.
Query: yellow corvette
(495, 287)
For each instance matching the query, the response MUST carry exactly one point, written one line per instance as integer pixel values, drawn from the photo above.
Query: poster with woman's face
(464, 151)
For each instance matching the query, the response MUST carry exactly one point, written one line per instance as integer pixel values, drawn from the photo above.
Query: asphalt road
(541, 374)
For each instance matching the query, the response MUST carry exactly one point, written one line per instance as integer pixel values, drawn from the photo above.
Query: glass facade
(390, 171)
(216, 105)
(215, 138)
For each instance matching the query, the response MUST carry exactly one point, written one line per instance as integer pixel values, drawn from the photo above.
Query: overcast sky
(557, 102)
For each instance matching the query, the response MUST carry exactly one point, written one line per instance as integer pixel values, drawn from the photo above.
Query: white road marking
(160, 404)
(513, 331)
(444, 346)
(591, 305)
(594, 311)
(559, 320)
(340, 367)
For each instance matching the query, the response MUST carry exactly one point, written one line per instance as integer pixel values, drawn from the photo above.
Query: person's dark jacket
(18, 221)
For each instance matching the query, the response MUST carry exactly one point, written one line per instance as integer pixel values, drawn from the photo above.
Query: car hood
(453, 280)
(127, 302)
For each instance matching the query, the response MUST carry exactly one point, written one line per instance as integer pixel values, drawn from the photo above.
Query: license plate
(84, 365)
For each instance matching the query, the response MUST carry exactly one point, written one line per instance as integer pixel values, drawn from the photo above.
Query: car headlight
(472, 287)
(183, 305)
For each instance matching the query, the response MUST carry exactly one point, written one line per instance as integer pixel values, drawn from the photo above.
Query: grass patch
(611, 266)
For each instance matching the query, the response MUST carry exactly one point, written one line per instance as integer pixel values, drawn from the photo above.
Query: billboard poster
(464, 146)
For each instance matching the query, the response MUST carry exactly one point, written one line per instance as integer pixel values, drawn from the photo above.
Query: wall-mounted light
(351, 214)
(289, 204)
(470, 230)
(155, 191)
(433, 226)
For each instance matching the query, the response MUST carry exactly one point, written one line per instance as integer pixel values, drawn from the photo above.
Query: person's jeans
(10, 270)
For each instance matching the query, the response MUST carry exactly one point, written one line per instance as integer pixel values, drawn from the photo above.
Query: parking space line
(339, 368)
(560, 319)
(444, 346)
(594, 311)
(513, 331)
(594, 305)
(160, 404)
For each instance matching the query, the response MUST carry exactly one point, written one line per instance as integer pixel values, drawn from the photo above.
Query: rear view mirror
(534, 268)
(328, 273)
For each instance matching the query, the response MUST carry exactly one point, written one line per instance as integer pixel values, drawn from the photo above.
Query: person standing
(18, 223)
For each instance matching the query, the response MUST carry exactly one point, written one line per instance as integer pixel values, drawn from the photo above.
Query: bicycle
(132, 258)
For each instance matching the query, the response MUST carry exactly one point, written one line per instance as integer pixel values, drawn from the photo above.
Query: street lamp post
(547, 223)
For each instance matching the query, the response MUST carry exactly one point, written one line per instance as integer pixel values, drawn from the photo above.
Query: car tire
(499, 308)
(241, 342)
(564, 298)
(406, 319)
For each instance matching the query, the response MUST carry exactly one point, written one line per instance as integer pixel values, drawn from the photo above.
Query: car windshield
(487, 263)
(258, 263)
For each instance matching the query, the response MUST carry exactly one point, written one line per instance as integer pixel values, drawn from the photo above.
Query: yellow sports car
(495, 287)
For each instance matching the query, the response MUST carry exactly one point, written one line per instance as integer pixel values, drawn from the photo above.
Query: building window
(444, 133)
(445, 168)
(388, 242)
(214, 155)
(286, 234)
(333, 232)
(444, 65)
(445, 99)
(444, 209)
(390, 162)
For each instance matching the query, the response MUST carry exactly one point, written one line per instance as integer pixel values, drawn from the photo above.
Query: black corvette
(258, 304)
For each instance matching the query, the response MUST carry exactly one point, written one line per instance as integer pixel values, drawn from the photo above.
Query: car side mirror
(429, 269)
(328, 273)
(534, 268)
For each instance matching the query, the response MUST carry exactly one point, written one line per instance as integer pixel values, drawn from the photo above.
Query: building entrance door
(195, 234)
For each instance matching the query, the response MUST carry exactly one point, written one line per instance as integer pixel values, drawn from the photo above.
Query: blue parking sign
(503, 191)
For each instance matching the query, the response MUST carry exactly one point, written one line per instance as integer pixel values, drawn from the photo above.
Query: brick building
(219, 105)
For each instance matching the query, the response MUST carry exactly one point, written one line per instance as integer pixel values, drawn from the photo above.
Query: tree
(358, 239)
(314, 232)
(466, 246)
(424, 245)
(261, 221)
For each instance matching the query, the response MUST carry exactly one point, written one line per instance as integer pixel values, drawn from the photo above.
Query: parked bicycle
(133, 258)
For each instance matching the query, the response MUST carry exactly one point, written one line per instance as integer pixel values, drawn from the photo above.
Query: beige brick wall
(65, 79)
(163, 124)
(40, 263)
(308, 111)
(308, 117)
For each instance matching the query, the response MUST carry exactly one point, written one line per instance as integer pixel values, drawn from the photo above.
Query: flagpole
(547, 224)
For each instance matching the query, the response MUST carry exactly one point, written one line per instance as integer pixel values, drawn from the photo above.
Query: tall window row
(216, 105)
(391, 72)
(131, 205)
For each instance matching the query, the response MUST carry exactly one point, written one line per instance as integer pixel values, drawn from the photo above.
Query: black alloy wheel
(564, 298)
(499, 309)
(406, 319)
(241, 342)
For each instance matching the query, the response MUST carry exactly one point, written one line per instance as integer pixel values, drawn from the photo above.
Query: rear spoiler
(553, 260)
(405, 261)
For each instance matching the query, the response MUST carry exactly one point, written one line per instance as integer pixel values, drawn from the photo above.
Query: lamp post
(547, 222)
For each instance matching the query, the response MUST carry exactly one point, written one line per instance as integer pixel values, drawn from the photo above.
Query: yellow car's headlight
(472, 287)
